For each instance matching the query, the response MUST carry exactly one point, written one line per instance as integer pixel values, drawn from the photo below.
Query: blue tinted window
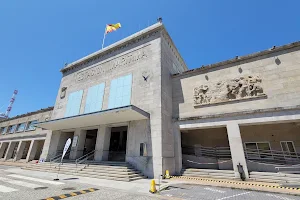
(74, 102)
(94, 98)
(120, 92)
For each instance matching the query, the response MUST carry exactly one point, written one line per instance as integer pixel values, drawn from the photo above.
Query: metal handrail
(84, 158)
(57, 157)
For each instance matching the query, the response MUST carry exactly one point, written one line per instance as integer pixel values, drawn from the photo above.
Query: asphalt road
(196, 192)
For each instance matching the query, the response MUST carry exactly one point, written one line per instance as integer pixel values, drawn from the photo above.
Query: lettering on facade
(112, 65)
(244, 87)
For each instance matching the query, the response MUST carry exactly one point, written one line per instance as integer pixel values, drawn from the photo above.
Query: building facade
(20, 140)
(136, 101)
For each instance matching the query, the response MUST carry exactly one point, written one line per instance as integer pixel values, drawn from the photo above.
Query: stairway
(119, 171)
(274, 177)
(208, 173)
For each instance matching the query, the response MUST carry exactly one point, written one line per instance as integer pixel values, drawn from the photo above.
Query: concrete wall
(280, 82)
(139, 132)
(213, 137)
(273, 133)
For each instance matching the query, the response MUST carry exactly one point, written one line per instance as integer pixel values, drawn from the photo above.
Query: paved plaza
(16, 183)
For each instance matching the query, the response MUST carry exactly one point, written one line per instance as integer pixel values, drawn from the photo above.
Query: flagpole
(104, 37)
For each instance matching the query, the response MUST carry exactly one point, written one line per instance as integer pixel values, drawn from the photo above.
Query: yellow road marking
(83, 192)
(50, 199)
(73, 194)
(92, 190)
(63, 196)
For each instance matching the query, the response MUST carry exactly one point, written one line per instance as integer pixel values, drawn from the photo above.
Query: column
(20, 150)
(50, 145)
(10, 150)
(32, 150)
(102, 143)
(177, 148)
(2, 148)
(236, 148)
(77, 151)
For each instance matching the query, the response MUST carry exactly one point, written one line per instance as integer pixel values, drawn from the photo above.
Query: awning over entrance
(110, 116)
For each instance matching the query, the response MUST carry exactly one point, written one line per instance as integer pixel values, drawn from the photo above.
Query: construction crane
(12, 100)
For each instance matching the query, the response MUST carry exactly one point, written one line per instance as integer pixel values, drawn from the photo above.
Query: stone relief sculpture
(233, 89)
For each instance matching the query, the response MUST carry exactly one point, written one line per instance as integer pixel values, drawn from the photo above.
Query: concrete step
(113, 171)
(208, 173)
(275, 177)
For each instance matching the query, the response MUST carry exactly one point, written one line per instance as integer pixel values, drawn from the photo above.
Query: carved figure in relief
(200, 95)
(237, 88)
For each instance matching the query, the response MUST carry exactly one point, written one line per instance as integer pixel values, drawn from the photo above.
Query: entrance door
(118, 141)
(90, 142)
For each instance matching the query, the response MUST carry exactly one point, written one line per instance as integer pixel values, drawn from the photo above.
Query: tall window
(30, 126)
(120, 92)
(74, 102)
(21, 127)
(3, 130)
(94, 98)
(11, 129)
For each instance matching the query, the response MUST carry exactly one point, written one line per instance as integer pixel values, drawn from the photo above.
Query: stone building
(20, 140)
(136, 101)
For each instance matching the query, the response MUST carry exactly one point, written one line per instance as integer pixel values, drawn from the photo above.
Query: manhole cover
(40, 188)
(70, 188)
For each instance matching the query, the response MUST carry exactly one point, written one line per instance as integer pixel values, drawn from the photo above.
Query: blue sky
(38, 37)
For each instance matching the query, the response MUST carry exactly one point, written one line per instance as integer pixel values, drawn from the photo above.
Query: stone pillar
(77, 151)
(102, 143)
(177, 148)
(32, 150)
(236, 148)
(2, 149)
(50, 145)
(10, 150)
(20, 150)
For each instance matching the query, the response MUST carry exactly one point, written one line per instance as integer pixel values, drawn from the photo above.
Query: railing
(217, 152)
(84, 158)
(283, 157)
(57, 157)
(270, 156)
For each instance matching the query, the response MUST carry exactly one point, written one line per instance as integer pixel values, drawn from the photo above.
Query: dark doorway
(117, 146)
(90, 141)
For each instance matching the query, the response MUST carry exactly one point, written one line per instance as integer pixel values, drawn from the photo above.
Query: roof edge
(91, 56)
(28, 114)
(240, 58)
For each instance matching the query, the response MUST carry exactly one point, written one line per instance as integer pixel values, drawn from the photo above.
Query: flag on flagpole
(112, 27)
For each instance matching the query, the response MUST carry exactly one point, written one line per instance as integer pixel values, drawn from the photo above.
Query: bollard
(152, 187)
(167, 176)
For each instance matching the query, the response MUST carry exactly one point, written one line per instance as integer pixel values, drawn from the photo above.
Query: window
(3, 130)
(288, 149)
(12, 128)
(120, 92)
(256, 150)
(73, 105)
(21, 127)
(94, 98)
(30, 126)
